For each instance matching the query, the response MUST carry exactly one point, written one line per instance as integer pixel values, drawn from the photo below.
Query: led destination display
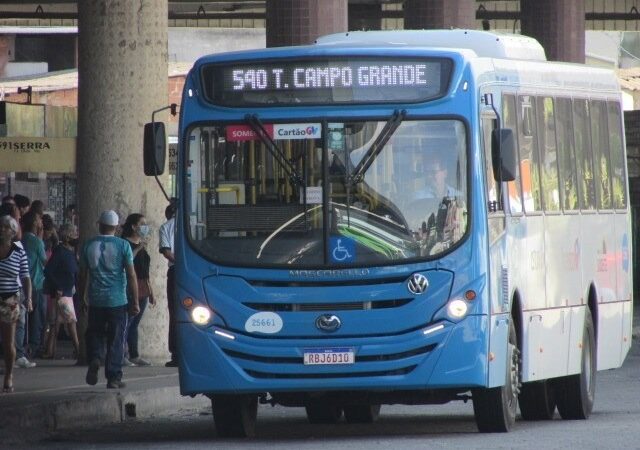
(352, 80)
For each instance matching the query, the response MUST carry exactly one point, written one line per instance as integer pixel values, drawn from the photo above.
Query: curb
(99, 409)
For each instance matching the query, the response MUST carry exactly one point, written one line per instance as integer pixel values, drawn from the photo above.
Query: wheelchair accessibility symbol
(342, 250)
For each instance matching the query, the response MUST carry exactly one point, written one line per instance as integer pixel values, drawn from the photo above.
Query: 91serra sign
(38, 154)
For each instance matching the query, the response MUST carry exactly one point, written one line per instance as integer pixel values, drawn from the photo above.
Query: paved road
(614, 424)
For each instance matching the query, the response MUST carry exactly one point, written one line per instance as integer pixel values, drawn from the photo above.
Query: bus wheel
(495, 408)
(235, 415)
(361, 413)
(537, 400)
(318, 412)
(575, 393)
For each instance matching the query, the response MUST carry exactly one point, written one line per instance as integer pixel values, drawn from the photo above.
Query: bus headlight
(201, 315)
(457, 309)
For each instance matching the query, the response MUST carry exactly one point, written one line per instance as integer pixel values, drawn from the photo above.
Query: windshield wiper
(257, 127)
(372, 153)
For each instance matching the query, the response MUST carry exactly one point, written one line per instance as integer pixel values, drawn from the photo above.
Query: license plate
(329, 356)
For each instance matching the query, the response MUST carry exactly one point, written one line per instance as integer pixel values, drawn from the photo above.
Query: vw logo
(418, 284)
(328, 322)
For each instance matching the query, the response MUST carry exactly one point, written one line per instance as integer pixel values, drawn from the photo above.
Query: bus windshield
(279, 195)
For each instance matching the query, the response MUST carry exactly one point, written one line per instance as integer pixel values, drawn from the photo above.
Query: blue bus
(408, 217)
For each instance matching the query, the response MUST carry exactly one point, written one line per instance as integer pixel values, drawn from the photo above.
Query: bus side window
(528, 142)
(600, 145)
(549, 185)
(584, 156)
(514, 188)
(566, 156)
(618, 174)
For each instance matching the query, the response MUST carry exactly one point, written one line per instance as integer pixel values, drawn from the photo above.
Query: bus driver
(440, 207)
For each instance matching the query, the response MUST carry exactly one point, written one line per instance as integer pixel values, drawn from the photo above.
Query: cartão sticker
(264, 322)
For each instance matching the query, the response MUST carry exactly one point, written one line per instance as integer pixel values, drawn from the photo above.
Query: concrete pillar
(123, 77)
(300, 22)
(364, 17)
(558, 25)
(434, 14)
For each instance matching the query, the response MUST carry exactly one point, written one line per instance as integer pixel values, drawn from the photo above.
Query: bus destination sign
(314, 81)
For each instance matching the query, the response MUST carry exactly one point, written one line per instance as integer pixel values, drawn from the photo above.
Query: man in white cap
(106, 271)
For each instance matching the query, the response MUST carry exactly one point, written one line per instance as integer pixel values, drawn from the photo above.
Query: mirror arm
(173, 107)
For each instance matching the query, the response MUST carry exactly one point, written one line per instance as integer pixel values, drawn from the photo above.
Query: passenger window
(566, 158)
(514, 188)
(548, 154)
(600, 145)
(531, 195)
(584, 157)
(618, 174)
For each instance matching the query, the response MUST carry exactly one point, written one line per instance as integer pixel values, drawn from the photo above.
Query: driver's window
(494, 188)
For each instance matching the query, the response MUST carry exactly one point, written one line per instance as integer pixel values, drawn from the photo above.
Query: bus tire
(235, 415)
(327, 413)
(495, 408)
(537, 400)
(361, 413)
(575, 394)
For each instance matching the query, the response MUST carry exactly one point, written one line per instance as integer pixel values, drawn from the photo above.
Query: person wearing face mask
(135, 230)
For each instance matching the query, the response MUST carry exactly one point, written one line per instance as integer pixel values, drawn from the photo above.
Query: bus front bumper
(216, 361)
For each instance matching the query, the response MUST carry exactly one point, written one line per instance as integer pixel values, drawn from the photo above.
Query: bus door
(498, 264)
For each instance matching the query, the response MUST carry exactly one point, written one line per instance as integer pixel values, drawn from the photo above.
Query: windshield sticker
(289, 131)
(264, 322)
(297, 131)
(238, 133)
(314, 195)
(343, 250)
(336, 139)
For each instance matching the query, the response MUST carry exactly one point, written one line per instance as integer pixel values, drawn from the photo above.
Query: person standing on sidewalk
(135, 230)
(61, 273)
(10, 209)
(106, 271)
(34, 246)
(13, 265)
(167, 232)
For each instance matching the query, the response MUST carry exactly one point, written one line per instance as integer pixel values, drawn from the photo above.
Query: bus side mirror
(503, 154)
(155, 148)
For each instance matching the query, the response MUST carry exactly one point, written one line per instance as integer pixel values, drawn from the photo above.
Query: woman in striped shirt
(13, 264)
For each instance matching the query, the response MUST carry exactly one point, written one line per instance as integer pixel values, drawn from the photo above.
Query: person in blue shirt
(61, 273)
(106, 272)
(34, 246)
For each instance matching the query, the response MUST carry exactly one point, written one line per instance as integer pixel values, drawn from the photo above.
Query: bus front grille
(338, 306)
(359, 358)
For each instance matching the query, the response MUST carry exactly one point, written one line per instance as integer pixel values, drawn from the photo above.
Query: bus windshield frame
(254, 206)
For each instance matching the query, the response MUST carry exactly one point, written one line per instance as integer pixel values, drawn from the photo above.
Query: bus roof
(483, 43)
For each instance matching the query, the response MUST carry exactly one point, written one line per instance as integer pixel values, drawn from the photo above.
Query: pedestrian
(49, 234)
(21, 355)
(8, 199)
(13, 266)
(61, 274)
(135, 230)
(70, 215)
(22, 203)
(106, 271)
(37, 206)
(34, 246)
(167, 232)
(10, 208)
